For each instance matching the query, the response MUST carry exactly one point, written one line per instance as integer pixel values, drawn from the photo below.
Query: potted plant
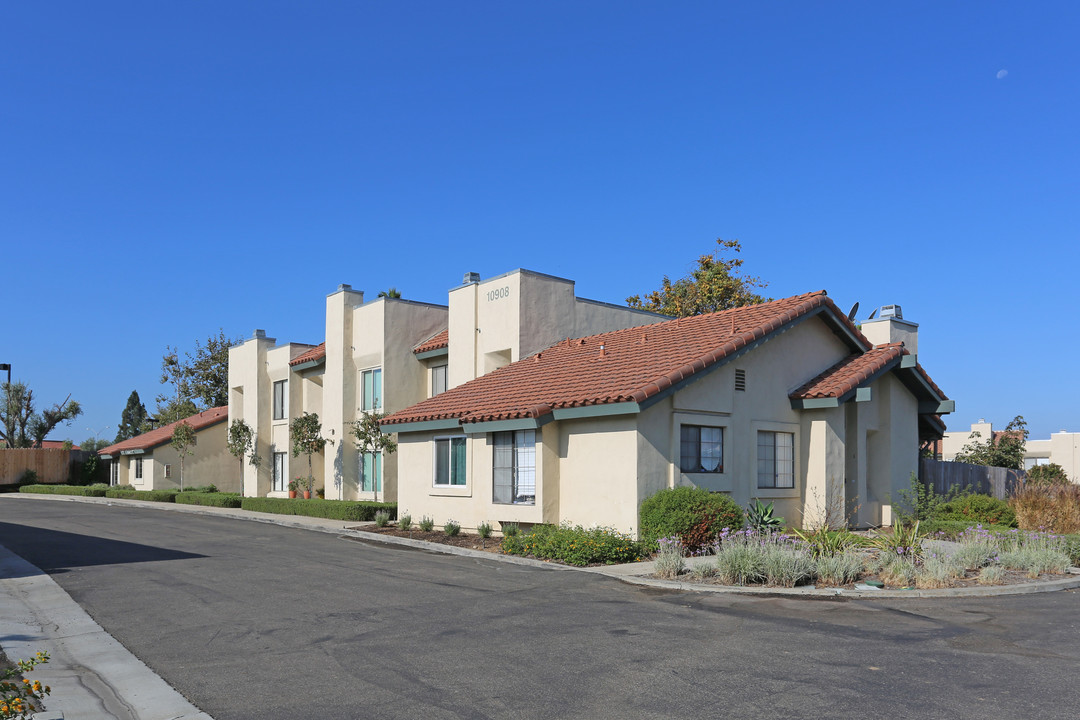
(294, 486)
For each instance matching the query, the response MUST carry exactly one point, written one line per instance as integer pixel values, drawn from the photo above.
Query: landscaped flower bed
(900, 559)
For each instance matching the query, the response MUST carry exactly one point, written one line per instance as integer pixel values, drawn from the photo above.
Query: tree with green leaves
(1007, 450)
(371, 439)
(183, 439)
(715, 284)
(306, 433)
(199, 380)
(94, 445)
(132, 419)
(390, 293)
(21, 426)
(242, 443)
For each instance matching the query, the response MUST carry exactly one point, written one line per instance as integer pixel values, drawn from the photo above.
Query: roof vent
(471, 277)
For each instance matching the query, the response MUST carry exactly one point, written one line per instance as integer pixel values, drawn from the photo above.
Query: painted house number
(498, 293)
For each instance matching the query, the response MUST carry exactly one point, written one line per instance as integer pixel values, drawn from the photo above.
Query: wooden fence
(52, 465)
(942, 476)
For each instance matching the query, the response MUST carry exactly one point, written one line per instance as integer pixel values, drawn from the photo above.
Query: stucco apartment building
(387, 354)
(787, 401)
(1061, 448)
(149, 462)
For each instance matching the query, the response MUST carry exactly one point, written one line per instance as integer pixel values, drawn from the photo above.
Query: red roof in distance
(163, 434)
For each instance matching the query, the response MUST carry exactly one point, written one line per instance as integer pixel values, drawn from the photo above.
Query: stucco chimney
(889, 326)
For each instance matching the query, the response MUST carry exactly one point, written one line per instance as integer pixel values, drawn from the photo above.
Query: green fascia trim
(862, 394)
(448, 424)
(587, 411)
(504, 425)
(932, 407)
(908, 361)
(437, 352)
(309, 364)
(814, 403)
(106, 457)
(132, 452)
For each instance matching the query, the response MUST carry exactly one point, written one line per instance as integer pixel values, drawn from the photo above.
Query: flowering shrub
(573, 545)
(22, 698)
(696, 515)
(669, 558)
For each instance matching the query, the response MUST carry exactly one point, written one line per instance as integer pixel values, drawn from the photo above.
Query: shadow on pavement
(56, 551)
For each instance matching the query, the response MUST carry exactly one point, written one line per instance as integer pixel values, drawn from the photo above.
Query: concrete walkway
(93, 676)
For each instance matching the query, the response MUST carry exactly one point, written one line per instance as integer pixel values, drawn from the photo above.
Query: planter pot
(307, 494)
(292, 493)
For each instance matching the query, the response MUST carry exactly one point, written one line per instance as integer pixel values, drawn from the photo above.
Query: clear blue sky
(172, 168)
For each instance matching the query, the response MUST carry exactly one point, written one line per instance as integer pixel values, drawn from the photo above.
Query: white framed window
(514, 467)
(438, 380)
(281, 399)
(138, 468)
(281, 469)
(775, 459)
(371, 472)
(371, 390)
(449, 462)
(701, 449)
(114, 472)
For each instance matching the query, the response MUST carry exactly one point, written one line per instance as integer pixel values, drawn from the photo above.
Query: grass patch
(353, 510)
(80, 490)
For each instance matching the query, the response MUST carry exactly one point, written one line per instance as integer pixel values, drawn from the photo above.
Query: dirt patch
(461, 540)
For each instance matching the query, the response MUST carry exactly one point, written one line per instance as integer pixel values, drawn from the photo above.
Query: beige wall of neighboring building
(209, 464)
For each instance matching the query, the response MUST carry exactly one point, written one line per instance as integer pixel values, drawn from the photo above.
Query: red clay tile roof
(316, 353)
(850, 373)
(438, 341)
(163, 434)
(635, 364)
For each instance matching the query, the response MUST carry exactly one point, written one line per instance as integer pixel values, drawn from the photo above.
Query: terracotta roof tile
(316, 353)
(850, 373)
(620, 366)
(163, 434)
(438, 341)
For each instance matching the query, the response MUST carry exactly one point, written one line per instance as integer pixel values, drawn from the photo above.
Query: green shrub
(573, 545)
(484, 530)
(696, 515)
(211, 488)
(84, 491)
(951, 529)
(919, 502)
(125, 492)
(1050, 474)
(208, 499)
(426, 524)
(510, 529)
(405, 522)
(352, 510)
(451, 528)
(1071, 547)
(382, 518)
(977, 509)
(29, 477)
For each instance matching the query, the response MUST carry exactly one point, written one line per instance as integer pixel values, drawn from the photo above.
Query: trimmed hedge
(126, 493)
(82, 490)
(208, 499)
(354, 510)
(976, 509)
(694, 514)
(573, 545)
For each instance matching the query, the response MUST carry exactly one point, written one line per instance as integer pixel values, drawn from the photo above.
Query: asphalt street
(250, 620)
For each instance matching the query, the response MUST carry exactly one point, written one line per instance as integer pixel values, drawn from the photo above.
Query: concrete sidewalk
(93, 677)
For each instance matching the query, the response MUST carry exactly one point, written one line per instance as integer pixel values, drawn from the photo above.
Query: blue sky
(169, 169)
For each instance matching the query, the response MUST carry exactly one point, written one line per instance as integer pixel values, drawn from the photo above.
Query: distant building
(1062, 448)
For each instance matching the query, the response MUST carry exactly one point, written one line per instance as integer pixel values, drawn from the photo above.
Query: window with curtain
(775, 459)
(701, 449)
(450, 461)
(279, 483)
(514, 467)
(281, 399)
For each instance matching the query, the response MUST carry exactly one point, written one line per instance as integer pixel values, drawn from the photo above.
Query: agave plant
(760, 518)
(824, 542)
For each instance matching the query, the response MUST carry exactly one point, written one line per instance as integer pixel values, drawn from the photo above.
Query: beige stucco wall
(209, 464)
(890, 330)
(1063, 448)
(955, 440)
(251, 399)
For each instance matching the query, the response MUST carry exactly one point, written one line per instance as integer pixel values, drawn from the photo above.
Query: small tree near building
(183, 439)
(307, 439)
(132, 419)
(1006, 452)
(242, 443)
(371, 439)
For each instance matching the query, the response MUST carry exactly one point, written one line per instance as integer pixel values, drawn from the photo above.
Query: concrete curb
(633, 574)
(91, 674)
